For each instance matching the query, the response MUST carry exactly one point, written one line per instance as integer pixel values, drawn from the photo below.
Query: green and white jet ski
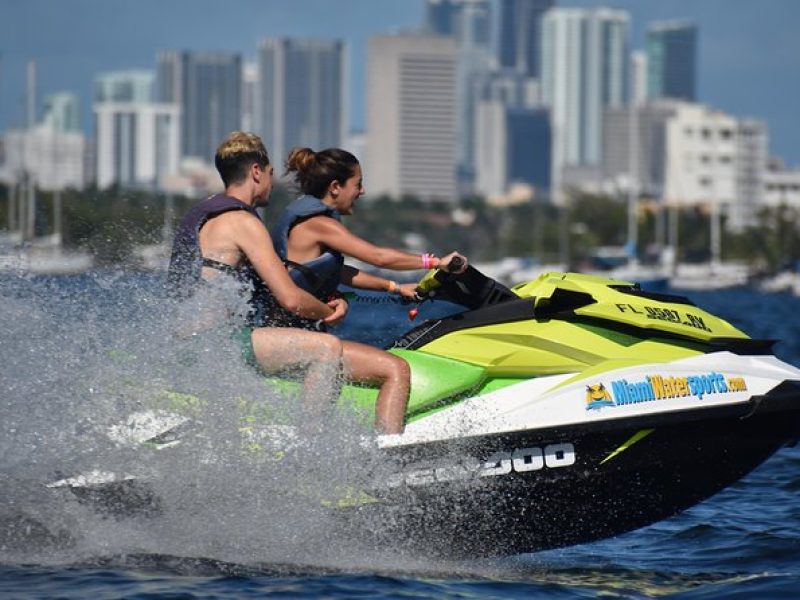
(564, 410)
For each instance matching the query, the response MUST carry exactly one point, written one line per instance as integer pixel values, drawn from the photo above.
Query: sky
(749, 50)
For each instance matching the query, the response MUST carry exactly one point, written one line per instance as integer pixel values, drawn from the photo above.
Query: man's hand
(339, 306)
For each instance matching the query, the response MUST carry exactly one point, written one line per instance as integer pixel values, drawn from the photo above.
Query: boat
(563, 410)
(617, 262)
(710, 276)
(786, 280)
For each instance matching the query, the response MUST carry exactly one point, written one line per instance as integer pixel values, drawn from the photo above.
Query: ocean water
(79, 353)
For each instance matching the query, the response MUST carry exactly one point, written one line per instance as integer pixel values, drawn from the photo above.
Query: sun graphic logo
(597, 396)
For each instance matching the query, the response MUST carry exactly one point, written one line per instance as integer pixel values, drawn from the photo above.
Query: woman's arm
(329, 232)
(366, 281)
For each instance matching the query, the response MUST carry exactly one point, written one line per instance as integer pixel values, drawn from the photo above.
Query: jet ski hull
(535, 490)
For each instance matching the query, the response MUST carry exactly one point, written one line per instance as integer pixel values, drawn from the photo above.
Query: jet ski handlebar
(470, 288)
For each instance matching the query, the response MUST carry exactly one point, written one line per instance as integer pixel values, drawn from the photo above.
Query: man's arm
(253, 240)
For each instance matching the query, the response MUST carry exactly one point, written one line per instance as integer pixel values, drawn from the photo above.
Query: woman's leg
(367, 364)
(319, 353)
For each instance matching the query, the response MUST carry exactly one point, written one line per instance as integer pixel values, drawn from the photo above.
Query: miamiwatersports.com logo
(658, 387)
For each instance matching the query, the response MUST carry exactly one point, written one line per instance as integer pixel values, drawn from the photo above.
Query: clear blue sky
(749, 63)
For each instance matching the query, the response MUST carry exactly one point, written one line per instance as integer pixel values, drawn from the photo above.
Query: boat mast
(631, 246)
(29, 231)
(715, 213)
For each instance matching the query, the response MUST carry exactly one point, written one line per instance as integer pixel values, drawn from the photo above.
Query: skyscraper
(440, 16)
(672, 60)
(584, 70)
(301, 99)
(411, 124)
(513, 147)
(519, 36)
(208, 89)
(468, 21)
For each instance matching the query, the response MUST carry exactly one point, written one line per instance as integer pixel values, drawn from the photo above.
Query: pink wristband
(427, 261)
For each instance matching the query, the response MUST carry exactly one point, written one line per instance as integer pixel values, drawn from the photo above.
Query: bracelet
(428, 261)
(392, 287)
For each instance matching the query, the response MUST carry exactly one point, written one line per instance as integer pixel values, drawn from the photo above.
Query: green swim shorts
(245, 338)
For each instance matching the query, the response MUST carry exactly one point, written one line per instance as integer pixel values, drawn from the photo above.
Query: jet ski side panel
(528, 490)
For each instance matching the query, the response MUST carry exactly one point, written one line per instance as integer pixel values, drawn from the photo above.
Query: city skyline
(748, 55)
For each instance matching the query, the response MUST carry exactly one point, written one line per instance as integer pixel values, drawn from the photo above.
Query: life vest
(321, 275)
(185, 265)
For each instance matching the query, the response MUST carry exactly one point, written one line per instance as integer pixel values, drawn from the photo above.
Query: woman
(310, 235)
(311, 238)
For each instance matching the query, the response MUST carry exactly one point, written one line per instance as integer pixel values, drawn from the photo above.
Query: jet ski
(562, 410)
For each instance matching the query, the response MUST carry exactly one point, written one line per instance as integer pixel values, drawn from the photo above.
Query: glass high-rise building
(519, 35)
(301, 94)
(208, 89)
(584, 70)
(672, 60)
(440, 16)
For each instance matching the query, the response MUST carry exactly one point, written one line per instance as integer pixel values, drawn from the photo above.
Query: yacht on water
(787, 280)
(710, 276)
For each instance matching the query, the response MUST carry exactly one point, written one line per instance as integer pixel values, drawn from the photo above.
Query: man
(223, 236)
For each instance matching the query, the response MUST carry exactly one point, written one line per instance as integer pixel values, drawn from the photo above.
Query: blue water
(57, 337)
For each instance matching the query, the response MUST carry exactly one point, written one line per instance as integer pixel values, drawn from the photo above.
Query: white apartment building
(713, 158)
(412, 116)
(137, 143)
(53, 152)
(781, 187)
(53, 158)
(124, 86)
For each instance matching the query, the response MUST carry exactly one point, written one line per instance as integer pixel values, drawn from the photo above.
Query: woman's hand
(339, 306)
(444, 263)
(408, 290)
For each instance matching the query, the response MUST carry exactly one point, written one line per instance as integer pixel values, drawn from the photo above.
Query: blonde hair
(236, 153)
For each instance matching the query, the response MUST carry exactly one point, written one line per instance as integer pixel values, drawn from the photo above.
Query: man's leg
(319, 353)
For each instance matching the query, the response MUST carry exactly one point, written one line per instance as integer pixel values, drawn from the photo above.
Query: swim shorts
(245, 338)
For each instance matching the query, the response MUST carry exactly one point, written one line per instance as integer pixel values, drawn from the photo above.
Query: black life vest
(185, 265)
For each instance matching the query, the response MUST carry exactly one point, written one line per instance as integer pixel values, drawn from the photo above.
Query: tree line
(110, 223)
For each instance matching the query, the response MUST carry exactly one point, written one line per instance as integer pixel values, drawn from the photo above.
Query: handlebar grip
(456, 263)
